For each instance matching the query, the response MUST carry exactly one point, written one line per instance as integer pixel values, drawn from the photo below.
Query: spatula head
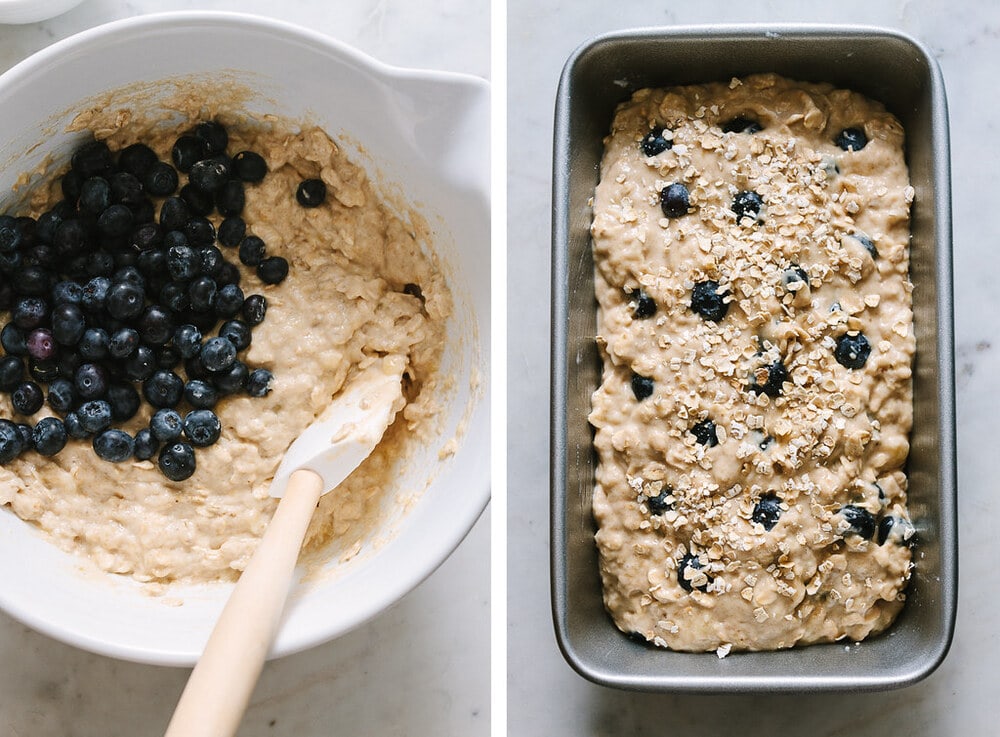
(347, 432)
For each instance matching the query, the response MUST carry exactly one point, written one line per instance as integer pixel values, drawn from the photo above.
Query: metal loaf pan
(886, 66)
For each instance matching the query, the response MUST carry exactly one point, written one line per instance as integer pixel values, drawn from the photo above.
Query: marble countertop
(545, 696)
(420, 668)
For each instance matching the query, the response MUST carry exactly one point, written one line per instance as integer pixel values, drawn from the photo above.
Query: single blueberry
(30, 312)
(255, 309)
(161, 180)
(14, 340)
(168, 357)
(11, 238)
(233, 379)
(852, 351)
(230, 199)
(163, 389)
(174, 212)
(218, 354)
(861, 521)
(238, 332)
(123, 342)
(62, 395)
(656, 141)
(645, 306)
(659, 504)
(228, 274)
(201, 293)
(166, 425)
(690, 563)
(209, 175)
(776, 376)
(708, 301)
(94, 416)
(141, 364)
(156, 326)
(46, 372)
(200, 394)
(232, 230)
(187, 340)
(146, 444)
(273, 270)
(49, 436)
(32, 280)
(259, 382)
(115, 222)
(174, 296)
(176, 461)
(130, 274)
(71, 237)
(41, 345)
(124, 401)
(94, 344)
(884, 528)
(67, 292)
(125, 301)
(91, 381)
(794, 274)
(11, 372)
(200, 201)
(182, 262)
(706, 433)
(642, 387)
(211, 261)
(27, 398)
(311, 193)
(252, 251)
(767, 511)
(10, 442)
(202, 427)
(136, 159)
(100, 263)
(748, 204)
(187, 151)
(249, 166)
(74, 427)
(229, 300)
(213, 135)
(852, 139)
(674, 200)
(114, 445)
(742, 124)
(865, 241)
(95, 293)
(27, 434)
(68, 324)
(92, 159)
(126, 189)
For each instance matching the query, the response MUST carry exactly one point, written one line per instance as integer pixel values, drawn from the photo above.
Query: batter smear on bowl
(257, 271)
(751, 249)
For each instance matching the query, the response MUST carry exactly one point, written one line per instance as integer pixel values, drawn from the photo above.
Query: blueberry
(92, 159)
(130, 274)
(202, 427)
(68, 324)
(658, 504)
(852, 139)
(46, 372)
(852, 351)
(311, 193)
(70, 238)
(115, 222)
(232, 231)
(861, 521)
(10, 442)
(259, 382)
(705, 433)
(200, 394)
(201, 293)
(153, 265)
(11, 372)
(30, 312)
(748, 204)
(218, 354)
(865, 241)
(232, 379)
(885, 526)
(230, 199)
(674, 200)
(74, 427)
(249, 166)
(33, 281)
(174, 296)
(690, 561)
(200, 202)
(767, 511)
(91, 381)
(146, 445)
(67, 293)
(168, 357)
(166, 425)
(11, 238)
(645, 306)
(209, 175)
(794, 274)
(182, 262)
(163, 389)
(125, 301)
(49, 436)
(136, 159)
(210, 261)
(187, 340)
(156, 326)
(161, 180)
(656, 142)
(27, 434)
(27, 398)
(741, 124)
(41, 345)
(176, 461)
(238, 332)
(124, 401)
(48, 223)
(228, 301)
(100, 263)
(174, 213)
(123, 342)
(228, 274)
(642, 387)
(95, 293)
(708, 301)
(187, 151)
(126, 189)
(898, 529)
(252, 251)
(272, 270)
(62, 395)
(94, 416)
(777, 375)
(254, 309)
(14, 340)
(114, 445)
(213, 135)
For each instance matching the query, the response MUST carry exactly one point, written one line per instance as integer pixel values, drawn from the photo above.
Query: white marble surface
(420, 668)
(545, 696)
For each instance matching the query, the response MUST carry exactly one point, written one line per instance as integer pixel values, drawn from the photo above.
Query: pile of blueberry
(110, 303)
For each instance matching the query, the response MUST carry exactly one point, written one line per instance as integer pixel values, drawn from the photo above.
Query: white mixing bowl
(424, 135)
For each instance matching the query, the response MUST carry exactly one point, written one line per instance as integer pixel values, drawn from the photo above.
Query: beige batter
(685, 564)
(342, 306)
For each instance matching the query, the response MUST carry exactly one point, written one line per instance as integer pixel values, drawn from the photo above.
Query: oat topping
(756, 327)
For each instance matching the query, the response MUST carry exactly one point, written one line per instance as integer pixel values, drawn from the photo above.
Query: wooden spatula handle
(218, 691)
